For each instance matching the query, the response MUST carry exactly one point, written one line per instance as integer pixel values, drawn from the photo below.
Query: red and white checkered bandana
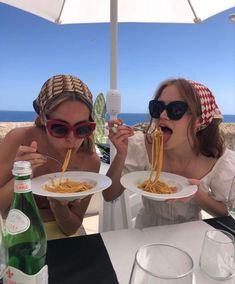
(210, 109)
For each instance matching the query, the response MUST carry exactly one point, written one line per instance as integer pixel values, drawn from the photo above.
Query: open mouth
(167, 132)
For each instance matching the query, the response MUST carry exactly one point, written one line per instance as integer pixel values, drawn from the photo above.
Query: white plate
(184, 189)
(99, 181)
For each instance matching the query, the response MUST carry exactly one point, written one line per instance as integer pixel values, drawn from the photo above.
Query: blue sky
(33, 49)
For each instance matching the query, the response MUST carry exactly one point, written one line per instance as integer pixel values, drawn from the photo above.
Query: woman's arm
(119, 138)
(206, 202)
(11, 150)
(8, 149)
(114, 172)
(69, 215)
(219, 183)
(6, 194)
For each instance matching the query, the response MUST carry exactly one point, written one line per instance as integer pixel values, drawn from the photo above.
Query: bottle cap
(22, 168)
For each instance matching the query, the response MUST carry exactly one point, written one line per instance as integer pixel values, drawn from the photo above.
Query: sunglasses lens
(176, 110)
(156, 108)
(59, 130)
(83, 130)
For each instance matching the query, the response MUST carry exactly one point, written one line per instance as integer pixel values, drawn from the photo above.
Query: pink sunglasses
(60, 129)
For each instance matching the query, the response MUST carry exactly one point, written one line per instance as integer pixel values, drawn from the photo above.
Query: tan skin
(179, 157)
(22, 144)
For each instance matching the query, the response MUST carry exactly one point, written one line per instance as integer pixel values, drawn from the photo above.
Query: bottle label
(17, 222)
(22, 186)
(15, 276)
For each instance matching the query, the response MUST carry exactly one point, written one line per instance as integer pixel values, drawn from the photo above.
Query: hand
(62, 208)
(29, 153)
(119, 134)
(186, 199)
(56, 204)
(183, 199)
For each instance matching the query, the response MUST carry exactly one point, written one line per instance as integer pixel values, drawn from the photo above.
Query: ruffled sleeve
(137, 157)
(219, 180)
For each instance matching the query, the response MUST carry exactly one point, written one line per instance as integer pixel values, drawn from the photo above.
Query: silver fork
(136, 128)
(50, 157)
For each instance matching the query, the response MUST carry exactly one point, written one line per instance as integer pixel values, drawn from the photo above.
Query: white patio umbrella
(114, 11)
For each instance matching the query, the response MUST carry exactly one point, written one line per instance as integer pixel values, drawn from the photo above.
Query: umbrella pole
(113, 98)
(113, 216)
(113, 43)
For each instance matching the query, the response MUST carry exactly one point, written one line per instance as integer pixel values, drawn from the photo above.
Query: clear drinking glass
(160, 263)
(231, 200)
(217, 255)
(2, 251)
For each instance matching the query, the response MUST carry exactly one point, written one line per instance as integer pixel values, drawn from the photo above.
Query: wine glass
(231, 200)
(160, 263)
(2, 251)
(217, 259)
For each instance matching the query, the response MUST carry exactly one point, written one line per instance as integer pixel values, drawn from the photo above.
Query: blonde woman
(64, 107)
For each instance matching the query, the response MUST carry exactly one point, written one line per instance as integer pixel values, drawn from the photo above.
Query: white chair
(133, 203)
(120, 213)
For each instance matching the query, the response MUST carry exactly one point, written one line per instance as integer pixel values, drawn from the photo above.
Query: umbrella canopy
(98, 11)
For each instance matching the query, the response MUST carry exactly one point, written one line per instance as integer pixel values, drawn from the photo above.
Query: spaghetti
(153, 184)
(67, 186)
(66, 163)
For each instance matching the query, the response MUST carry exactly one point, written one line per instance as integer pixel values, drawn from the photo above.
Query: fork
(50, 157)
(135, 128)
(56, 160)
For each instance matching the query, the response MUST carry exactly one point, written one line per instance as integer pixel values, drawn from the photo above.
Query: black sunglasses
(175, 110)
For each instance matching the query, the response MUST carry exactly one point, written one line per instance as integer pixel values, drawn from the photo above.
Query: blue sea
(128, 118)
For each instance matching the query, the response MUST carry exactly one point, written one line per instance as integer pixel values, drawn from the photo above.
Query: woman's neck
(180, 155)
(179, 162)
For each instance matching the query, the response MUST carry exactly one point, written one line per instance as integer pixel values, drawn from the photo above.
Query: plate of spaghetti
(73, 184)
(167, 186)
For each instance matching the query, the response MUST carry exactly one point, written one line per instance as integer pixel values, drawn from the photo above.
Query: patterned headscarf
(210, 109)
(58, 86)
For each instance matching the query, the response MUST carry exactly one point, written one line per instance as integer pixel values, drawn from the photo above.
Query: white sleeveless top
(217, 183)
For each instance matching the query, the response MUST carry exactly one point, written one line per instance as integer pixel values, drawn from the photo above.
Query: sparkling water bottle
(25, 239)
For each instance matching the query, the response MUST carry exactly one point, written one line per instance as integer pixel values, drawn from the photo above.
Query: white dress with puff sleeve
(217, 183)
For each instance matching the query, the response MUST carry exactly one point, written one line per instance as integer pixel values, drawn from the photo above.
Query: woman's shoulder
(24, 136)
(19, 134)
(220, 178)
(225, 164)
(91, 161)
(228, 157)
(137, 140)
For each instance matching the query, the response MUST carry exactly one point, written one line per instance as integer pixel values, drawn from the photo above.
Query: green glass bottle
(25, 238)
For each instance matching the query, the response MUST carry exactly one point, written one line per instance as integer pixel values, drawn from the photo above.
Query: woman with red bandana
(64, 107)
(189, 118)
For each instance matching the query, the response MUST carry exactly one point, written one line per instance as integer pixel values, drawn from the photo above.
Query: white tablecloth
(122, 246)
